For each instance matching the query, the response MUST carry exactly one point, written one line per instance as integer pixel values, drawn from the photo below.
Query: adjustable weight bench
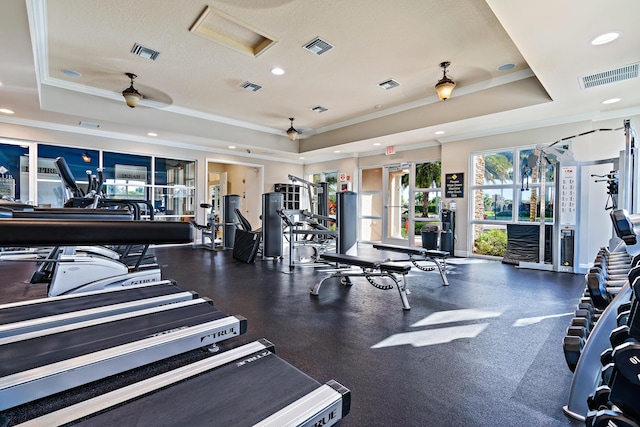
(439, 258)
(369, 270)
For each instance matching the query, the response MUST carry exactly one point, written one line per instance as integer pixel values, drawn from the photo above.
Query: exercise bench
(439, 258)
(369, 270)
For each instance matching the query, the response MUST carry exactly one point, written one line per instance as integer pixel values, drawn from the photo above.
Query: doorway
(395, 221)
(243, 179)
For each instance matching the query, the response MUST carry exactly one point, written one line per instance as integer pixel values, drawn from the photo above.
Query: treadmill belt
(22, 355)
(52, 307)
(236, 394)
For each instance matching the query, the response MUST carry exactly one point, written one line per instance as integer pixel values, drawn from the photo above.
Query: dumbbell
(572, 346)
(619, 335)
(599, 399)
(609, 418)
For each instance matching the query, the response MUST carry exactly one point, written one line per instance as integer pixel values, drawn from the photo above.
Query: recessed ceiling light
(376, 143)
(277, 71)
(506, 67)
(71, 73)
(232, 147)
(6, 111)
(336, 151)
(152, 134)
(301, 158)
(439, 132)
(611, 101)
(605, 38)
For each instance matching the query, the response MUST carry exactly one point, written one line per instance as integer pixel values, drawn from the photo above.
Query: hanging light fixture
(131, 95)
(445, 85)
(292, 133)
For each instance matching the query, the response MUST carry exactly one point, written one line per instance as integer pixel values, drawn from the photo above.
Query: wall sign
(130, 172)
(454, 185)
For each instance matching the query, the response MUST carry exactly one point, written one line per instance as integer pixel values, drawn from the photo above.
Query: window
(331, 178)
(82, 164)
(14, 172)
(427, 197)
(174, 189)
(506, 189)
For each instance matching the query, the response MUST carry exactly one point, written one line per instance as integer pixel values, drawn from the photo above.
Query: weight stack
(272, 225)
(347, 220)
(229, 203)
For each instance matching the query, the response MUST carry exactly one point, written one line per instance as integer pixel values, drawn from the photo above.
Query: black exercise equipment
(369, 269)
(624, 226)
(417, 255)
(230, 203)
(94, 197)
(347, 222)
(272, 238)
(246, 245)
(35, 232)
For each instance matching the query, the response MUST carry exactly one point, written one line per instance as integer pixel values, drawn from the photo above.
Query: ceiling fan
(133, 96)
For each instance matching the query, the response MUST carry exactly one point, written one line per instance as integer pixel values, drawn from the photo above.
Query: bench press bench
(439, 258)
(369, 270)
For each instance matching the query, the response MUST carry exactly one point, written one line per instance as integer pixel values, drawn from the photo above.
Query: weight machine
(565, 236)
(318, 194)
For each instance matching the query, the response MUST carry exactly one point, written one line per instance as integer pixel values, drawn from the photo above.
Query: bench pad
(351, 260)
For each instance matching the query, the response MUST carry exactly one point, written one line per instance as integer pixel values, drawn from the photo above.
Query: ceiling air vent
(251, 87)
(389, 84)
(89, 125)
(318, 46)
(319, 109)
(145, 52)
(611, 76)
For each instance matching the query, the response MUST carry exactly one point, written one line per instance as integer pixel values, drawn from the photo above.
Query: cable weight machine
(565, 239)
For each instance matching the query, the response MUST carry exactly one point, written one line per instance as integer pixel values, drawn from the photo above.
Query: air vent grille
(610, 76)
(389, 84)
(318, 46)
(251, 87)
(319, 109)
(145, 52)
(89, 125)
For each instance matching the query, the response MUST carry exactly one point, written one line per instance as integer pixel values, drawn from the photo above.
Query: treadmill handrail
(34, 232)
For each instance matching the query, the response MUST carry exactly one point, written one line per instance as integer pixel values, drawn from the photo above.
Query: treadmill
(27, 316)
(245, 386)
(42, 362)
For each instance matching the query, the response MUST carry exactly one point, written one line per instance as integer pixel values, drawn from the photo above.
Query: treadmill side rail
(322, 407)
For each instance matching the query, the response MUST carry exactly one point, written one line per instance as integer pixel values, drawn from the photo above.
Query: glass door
(396, 208)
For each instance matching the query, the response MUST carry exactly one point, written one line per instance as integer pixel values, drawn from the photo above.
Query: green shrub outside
(491, 242)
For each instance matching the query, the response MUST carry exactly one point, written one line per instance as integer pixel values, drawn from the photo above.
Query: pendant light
(131, 95)
(292, 133)
(445, 85)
